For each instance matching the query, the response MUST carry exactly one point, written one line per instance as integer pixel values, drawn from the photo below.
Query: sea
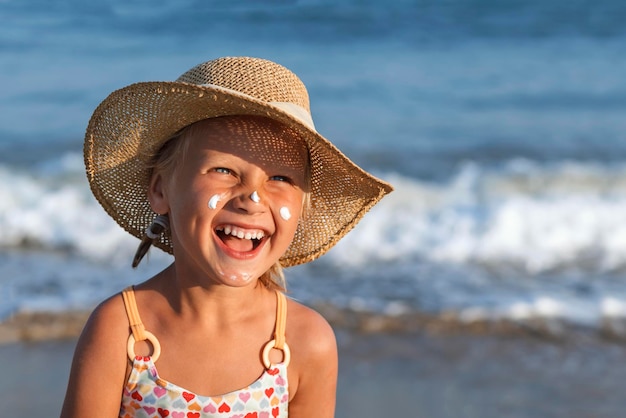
(500, 123)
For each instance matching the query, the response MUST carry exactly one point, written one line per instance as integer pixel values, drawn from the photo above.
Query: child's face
(234, 198)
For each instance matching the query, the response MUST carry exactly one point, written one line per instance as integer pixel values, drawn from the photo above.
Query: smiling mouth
(240, 239)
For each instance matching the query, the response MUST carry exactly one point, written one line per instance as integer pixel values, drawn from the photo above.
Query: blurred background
(500, 123)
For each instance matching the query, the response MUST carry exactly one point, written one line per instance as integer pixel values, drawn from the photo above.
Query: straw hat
(130, 126)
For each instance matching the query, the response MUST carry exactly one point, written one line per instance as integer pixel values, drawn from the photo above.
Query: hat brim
(130, 126)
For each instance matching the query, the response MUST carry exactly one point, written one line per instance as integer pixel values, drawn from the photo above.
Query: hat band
(291, 109)
(296, 111)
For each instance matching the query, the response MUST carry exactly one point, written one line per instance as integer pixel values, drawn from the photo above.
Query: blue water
(501, 124)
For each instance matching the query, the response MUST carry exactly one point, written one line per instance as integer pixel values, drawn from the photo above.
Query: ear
(157, 194)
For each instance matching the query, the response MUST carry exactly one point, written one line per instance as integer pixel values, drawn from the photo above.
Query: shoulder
(105, 334)
(311, 339)
(314, 364)
(100, 361)
(102, 343)
(108, 320)
(309, 333)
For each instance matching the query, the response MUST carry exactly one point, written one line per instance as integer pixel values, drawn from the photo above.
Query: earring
(255, 197)
(159, 225)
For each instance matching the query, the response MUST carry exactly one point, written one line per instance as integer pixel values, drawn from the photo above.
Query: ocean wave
(51, 207)
(530, 217)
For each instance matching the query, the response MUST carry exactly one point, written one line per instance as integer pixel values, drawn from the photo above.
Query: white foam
(525, 216)
(612, 307)
(518, 242)
(53, 208)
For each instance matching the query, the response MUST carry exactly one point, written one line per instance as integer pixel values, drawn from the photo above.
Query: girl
(222, 168)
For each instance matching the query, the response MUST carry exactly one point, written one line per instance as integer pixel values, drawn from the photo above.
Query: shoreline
(50, 326)
(413, 375)
(414, 366)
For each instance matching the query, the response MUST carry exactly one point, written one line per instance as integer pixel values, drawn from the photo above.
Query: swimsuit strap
(139, 332)
(281, 319)
(279, 333)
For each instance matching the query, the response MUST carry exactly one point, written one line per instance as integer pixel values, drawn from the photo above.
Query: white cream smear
(284, 213)
(237, 277)
(255, 197)
(213, 201)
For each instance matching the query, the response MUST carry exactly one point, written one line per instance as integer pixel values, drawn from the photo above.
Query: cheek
(285, 213)
(289, 208)
(203, 195)
(215, 200)
(194, 201)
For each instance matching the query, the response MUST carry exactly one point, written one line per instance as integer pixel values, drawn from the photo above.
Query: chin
(237, 277)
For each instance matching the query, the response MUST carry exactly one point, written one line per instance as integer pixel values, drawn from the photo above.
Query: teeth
(240, 233)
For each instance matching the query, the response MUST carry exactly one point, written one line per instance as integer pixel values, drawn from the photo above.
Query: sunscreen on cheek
(213, 201)
(285, 213)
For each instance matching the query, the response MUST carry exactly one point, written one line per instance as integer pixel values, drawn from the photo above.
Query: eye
(281, 178)
(222, 170)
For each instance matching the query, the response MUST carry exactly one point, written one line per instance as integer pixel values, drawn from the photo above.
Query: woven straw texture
(130, 126)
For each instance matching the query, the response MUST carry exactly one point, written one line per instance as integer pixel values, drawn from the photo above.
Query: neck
(210, 301)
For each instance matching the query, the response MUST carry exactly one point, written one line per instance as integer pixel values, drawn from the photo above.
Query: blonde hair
(166, 161)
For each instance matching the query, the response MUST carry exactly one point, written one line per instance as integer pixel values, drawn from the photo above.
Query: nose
(249, 201)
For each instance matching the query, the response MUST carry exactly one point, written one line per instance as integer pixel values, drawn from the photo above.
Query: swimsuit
(148, 395)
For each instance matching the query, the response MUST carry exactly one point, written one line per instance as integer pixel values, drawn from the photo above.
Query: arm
(99, 367)
(314, 353)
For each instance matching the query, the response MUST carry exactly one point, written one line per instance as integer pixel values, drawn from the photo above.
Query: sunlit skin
(208, 310)
(223, 159)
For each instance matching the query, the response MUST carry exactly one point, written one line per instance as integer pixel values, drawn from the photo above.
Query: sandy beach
(409, 374)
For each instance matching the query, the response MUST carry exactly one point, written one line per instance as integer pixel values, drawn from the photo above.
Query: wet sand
(416, 374)
(480, 376)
